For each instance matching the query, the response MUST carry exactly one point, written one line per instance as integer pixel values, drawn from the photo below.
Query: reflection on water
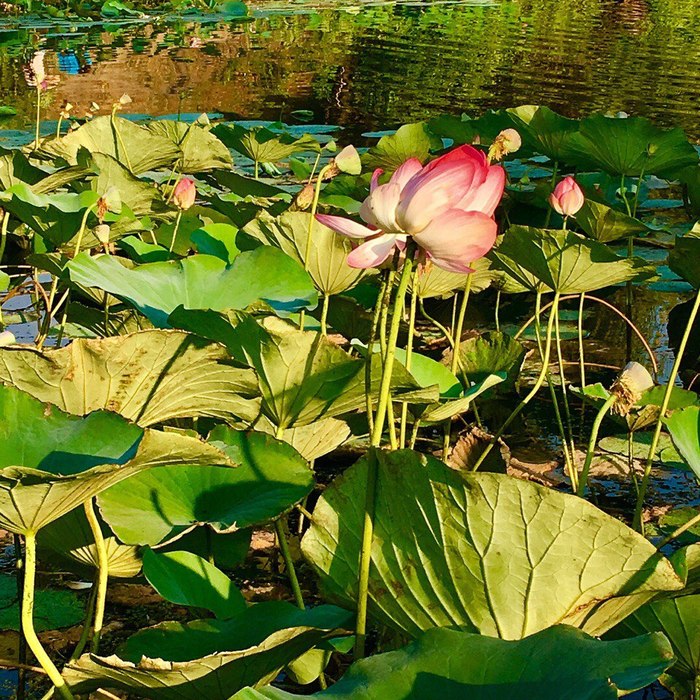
(370, 66)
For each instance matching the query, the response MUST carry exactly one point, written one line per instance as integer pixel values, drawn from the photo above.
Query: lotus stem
(498, 311)
(3, 233)
(38, 117)
(102, 573)
(289, 564)
(257, 170)
(592, 442)
(118, 136)
(436, 323)
(679, 531)
(409, 352)
(391, 426)
(324, 314)
(381, 300)
(637, 521)
(581, 360)
(28, 619)
(555, 172)
(81, 230)
(533, 392)
(22, 665)
(87, 624)
(375, 441)
(177, 226)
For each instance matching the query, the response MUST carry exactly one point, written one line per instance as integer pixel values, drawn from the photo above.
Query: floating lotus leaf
(327, 263)
(201, 150)
(562, 261)
(605, 224)
(684, 259)
(135, 146)
(483, 551)
(558, 662)
(148, 377)
(184, 578)
(303, 376)
(410, 141)
(632, 146)
(52, 462)
(546, 131)
(201, 282)
(70, 539)
(263, 145)
(433, 281)
(270, 476)
(209, 659)
(684, 427)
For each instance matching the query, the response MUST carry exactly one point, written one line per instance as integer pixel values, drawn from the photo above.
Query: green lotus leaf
(262, 145)
(489, 353)
(437, 413)
(684, 259)
(631, 146)
(15, 169)
(328, 251)
(218, 240)
(605, 224)
(201, 282)
(70, 540)
(246, 189)
(210, 659)
(270, 476)
(561, 261)
(433, 281)
(684, 427)
(302, 375)
(52, 462)
(143, 252)
(410, 141)
(545, 130)
(313, 440)
(482, 552)
(558, 662)
(138, 148)
(201, 150)
(149, 377)
(184, 578)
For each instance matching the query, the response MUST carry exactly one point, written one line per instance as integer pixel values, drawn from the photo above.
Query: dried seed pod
(632, 382)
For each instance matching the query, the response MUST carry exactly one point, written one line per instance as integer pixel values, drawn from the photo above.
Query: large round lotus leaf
(631, 146)
(546, 131)
(483, 551)
(262, 144)
(209, 659)
(327, 262)
(684, 259)
(52, 462)
(605, 224)
(270, 477)
(433, 281)
(562, 261)
(15, 168)
(201, 282)
(70, 540)
(302, 375)
(684, 427)
(201, 150)
(148, 377)
(560, 662)
(410, 141)
(313, 440)
(135, 146)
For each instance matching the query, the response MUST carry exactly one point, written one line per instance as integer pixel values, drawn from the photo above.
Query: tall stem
(638, 524)
(3, 233)
(533, 392)
(409, 352)
(38, 116)
(289, 564)
(497, 311)
(102, 573)
(28, 619)
(177, 226)
(370, 347)
(581, 359)
(592, 442)
(324, 314)
(555, 171)
(21, 671)
(81, 231)
(375, 441)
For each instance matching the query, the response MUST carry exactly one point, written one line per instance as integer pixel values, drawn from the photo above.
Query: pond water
(374, 65)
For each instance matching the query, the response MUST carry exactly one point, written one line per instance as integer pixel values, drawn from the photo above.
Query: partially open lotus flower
(567, 197)
(508, 141)
(446, 207)
(184, 193)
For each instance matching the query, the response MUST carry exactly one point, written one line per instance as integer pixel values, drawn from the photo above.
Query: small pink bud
(184, 193)
(567, 197)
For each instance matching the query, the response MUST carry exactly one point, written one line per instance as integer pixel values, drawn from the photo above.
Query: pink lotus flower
(184, 193)
(446, 207)
(567, 197)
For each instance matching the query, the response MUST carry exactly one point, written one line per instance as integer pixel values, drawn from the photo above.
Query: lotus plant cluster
(315, 372)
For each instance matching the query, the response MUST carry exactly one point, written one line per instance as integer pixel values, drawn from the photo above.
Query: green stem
(289, 564)
(679, 531)
(3, 233)
(28, 619)
(81, 231)
(375, 441)
(533, 392)
(637, 521)
(581, 360)
(22, 651)
(102, 573)
(38, 116)
(87, 624)
(555, 171)
(370, 348)
(436, 323)
(120, 140)
(324, 314)
(58, 126)
(409, 353)
(177, 226)
(497, 312)
(592, 442)
(257, 170)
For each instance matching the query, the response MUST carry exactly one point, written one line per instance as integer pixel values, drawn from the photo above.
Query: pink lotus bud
(184, 193)
(567, 197)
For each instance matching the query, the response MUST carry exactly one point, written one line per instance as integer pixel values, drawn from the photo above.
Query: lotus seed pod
(102, 233)
(508, 141)
(632, 382)
(305, 197)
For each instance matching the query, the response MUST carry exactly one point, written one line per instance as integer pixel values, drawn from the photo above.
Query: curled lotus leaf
(201, 150)
(148, 377)
(483, 552)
